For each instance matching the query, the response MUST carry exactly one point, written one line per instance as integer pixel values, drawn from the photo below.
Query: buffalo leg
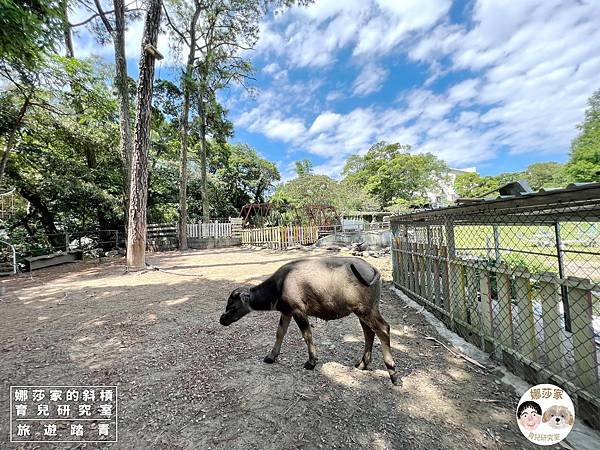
(382, 329)
(304, 325)
(369, 336)
(284, 321)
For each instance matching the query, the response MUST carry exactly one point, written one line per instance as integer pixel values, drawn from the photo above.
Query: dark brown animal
(328, 288)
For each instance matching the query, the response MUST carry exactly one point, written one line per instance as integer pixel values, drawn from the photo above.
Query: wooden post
(429, 268)
(472, 285)
(584, 347)
(418, 269)
(486, 303)
(395, 255)
(458, 308)
(403, 257)
(505, 324)
(550, 297)
(445, 277)
(526, 321)
(436, 277)
(413, 267)
(423, 274)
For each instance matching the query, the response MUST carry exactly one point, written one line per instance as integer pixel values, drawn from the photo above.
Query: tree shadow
(187, 382)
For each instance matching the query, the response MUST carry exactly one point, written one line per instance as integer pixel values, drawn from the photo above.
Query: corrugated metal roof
(569, 188)
(583, 197)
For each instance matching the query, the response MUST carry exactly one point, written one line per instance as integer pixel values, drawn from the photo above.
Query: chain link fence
(519, 277)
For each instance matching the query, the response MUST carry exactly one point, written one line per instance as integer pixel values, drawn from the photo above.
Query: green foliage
(51, 167)
(584, 161)
(237, 175)
(473, 185)
(545, 175)
(28, 29)
(394, 176)
(304, 167)
(538, 175)
(310, 189)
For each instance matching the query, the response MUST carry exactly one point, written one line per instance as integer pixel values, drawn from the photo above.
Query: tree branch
(173, 27)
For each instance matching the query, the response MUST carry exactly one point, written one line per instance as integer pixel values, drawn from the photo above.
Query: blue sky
(486, 83)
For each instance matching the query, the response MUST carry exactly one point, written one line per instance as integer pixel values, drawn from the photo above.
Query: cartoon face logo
(558, 417)
(529, 415)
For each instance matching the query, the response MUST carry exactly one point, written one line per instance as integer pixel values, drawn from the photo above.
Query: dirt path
(186, 382)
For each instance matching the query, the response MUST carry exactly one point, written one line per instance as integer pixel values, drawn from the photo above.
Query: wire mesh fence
(519, 277)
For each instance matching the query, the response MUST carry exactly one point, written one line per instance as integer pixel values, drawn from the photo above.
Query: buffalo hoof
(360, 365)
(310, 365)
(269, 359)
(396, 379)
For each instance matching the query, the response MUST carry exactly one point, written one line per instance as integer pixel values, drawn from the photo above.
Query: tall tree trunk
(12, 136)
(136, 232)
(183, 159)
(118, 35)
(203, 181)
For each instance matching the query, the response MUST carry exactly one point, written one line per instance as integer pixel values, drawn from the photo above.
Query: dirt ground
(187, 382)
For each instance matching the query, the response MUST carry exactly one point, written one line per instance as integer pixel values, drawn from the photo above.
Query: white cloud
(370, 79)
(271, 68)
(463, 91)
(324, 122)
(286, 130)
(311, 36)
(515, 77)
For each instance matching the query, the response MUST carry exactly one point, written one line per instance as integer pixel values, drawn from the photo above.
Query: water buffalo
(326, 287)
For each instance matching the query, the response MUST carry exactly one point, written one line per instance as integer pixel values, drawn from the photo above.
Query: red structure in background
(255, 209)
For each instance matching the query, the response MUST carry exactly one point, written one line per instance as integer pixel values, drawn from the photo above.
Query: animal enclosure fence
(519, 277)
(280, 237)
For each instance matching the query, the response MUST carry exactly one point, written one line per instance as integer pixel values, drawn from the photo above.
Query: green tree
(544, 175)
(48, 164)
(584, 160)
(29, 30)
(310, 189)
(304, 167)
(394, 176)
(473, 185)
(237, 175)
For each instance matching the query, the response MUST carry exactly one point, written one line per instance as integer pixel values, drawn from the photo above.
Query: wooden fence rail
(280, 237)
(508, 311)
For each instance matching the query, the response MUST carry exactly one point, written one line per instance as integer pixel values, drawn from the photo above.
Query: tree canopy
(394, 176)
(584, 161)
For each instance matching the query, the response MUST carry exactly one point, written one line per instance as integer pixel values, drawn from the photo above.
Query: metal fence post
(561, 273)
(497, 243)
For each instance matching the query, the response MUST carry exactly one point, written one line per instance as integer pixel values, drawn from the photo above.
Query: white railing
(211, 229)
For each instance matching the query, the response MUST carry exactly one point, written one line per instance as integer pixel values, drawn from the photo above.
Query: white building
(446, 194)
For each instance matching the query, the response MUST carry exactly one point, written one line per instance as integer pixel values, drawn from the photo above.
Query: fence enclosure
(280, 237)
(519, 278)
